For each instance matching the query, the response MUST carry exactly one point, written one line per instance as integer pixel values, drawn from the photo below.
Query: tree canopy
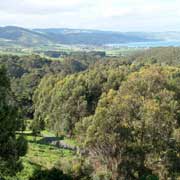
(11, 147)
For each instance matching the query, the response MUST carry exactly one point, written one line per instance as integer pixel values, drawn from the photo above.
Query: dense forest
(116, 118)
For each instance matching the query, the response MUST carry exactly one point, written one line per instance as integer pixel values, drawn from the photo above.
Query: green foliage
(132, 128)
(53, 174)
(41, 158)
(61, 102)
(10, 150)
(26, 73)
(162, 56)
(123, 114)
(78, 167)
(22, 145)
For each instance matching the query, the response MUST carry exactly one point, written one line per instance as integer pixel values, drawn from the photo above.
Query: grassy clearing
(41, 156)
(121, 51)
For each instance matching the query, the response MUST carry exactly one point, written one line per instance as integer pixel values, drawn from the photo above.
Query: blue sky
(117, 15)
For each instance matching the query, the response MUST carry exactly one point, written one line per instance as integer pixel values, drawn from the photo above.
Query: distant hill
(91, 37)
(11, 35)
(21, 36)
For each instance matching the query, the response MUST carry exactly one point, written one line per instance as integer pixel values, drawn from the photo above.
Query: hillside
(11, 35)
(91, 37)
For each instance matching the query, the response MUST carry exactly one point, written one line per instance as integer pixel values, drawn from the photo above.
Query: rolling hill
(12, 35)
(16, 35)
(91, 37)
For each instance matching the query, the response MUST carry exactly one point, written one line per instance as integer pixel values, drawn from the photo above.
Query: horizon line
(88, 29)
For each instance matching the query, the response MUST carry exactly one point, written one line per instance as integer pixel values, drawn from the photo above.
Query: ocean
(147, 44)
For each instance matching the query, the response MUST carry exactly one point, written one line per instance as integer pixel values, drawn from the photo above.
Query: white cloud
(123, 15)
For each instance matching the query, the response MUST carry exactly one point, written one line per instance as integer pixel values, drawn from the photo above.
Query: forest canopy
(123, 112)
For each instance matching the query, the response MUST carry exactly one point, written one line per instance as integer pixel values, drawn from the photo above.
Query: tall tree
(132, 130)
(11, 148)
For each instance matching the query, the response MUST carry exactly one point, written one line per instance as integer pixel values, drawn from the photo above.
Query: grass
(20, 50)
(41, 156)
(122, 51)
(46, 133)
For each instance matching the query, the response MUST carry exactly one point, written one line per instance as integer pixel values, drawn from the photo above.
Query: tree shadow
(49, 140)
(54, 142)
(52, 174)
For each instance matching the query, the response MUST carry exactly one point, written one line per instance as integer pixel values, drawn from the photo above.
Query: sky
(116, 15)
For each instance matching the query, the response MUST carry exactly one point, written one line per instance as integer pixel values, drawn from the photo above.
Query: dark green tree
(11, 147)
